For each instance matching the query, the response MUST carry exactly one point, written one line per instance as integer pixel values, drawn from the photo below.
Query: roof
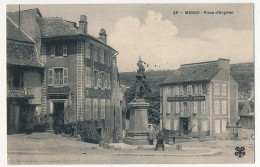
(193, 73)
(21, 53)
(51, 27)
(14, 33)
(57, 27)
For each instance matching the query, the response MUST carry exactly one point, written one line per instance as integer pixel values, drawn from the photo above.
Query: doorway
(58, 114)
(185, 125)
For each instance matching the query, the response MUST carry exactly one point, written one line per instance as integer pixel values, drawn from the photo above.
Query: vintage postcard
(130, 84)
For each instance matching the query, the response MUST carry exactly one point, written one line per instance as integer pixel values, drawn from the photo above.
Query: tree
(153, 98)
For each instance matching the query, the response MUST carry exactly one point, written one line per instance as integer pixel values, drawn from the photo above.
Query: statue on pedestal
(140, 80)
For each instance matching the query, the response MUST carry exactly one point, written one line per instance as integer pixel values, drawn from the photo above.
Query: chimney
(223, 63)
(103, 35)
(83, 24)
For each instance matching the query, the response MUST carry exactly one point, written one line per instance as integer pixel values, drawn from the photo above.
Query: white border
(3, 150)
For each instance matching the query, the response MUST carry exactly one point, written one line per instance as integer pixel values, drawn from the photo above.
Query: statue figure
(140, 80)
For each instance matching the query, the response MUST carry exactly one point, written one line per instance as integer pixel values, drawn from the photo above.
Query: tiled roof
(193, 73)
(14, 33)
(57, 27)
(20, 53)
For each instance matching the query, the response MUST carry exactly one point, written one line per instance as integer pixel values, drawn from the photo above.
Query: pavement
(48, 148)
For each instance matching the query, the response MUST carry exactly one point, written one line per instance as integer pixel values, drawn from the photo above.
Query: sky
(162, 39)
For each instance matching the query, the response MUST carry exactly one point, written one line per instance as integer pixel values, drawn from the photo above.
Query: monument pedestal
(138, 123)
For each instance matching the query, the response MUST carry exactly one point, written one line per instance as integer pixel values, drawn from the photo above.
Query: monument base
(138, 123)
(136, 138)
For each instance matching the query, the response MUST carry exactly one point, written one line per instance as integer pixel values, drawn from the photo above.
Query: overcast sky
(162, 39)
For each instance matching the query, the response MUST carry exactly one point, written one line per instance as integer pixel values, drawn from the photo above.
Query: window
(168, 124)
(224, 124)
(88, 108)
(203, 107)
(195, 110)
(102, 80)
(216, 89)
(102, 56)
(105, 57)
(204, 125)
(88, 77)
(182, 107)
(108, 108)
(224, 107)
(189, 90)
(181, 90)
(95, 79)
(99, 79)
(98, 55)
(200, 89)
(108, 81)
(176, 124)
(58, 76)
(217, 126)
(223, 89)
(59, 49)
(168, 107)
(217, 112)
(87, 50)
(177, 90)
(196, 89)
(195, 126)
(92, 54)
(188, 106)
(102, 108)
(177, 107)
(173, 91)
(95, 109)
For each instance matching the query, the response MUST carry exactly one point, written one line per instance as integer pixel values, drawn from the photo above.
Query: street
(48, 148)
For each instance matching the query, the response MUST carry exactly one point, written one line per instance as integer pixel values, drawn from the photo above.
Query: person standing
(159, 141)
(151, 134)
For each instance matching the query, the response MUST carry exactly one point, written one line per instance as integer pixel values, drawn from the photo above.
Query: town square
(130, 84)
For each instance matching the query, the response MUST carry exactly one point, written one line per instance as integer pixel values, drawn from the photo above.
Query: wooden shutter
(65, 76)
(50, 77)
(65, 50)
(52, 50)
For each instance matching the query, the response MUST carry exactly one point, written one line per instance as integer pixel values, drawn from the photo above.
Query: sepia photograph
(130, 83)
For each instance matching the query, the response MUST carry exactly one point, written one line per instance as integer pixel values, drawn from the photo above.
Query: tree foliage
(151, 97)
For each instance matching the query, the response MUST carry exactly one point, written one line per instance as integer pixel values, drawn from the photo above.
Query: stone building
(23, 92)
(199, 99)
(80, 76)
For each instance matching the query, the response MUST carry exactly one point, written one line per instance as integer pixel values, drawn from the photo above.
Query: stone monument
(138, 123)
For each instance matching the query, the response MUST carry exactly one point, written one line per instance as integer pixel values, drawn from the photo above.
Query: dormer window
(59, 50)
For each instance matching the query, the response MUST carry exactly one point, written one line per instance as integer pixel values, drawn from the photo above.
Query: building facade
(23, 92)
(80, 80)
(199, 99)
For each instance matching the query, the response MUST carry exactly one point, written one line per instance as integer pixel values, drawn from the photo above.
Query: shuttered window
(50, 77)
(65, 76)
(102, 108)
(65, 50)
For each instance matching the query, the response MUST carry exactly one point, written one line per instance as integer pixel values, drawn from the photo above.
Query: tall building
(200, 99)
(23, 92)
(80, 77)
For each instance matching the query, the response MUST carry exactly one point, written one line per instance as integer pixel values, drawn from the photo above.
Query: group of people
(159, 137)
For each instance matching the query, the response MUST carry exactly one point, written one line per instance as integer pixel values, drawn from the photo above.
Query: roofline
(21, 41)
(78, 36)
(28, 10)
(41, 67)
(205, 62)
